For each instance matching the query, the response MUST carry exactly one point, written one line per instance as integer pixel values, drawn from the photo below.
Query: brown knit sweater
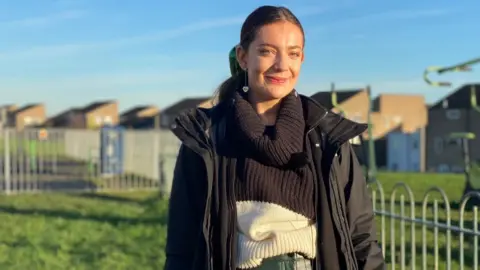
(268, 168)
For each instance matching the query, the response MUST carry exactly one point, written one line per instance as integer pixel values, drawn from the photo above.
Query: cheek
(260, 64)
(295, 68)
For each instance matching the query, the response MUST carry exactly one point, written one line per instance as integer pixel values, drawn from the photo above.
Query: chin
(277, 92)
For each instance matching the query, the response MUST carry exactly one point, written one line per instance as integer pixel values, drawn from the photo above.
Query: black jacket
(202, 214)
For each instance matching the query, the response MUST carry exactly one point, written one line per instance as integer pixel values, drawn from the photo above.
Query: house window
(108, 120)
(454, 142)
(453, 114)
(98, 120)
(438, 145)
(27, 120)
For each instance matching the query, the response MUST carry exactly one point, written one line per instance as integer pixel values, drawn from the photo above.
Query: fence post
(6, 166)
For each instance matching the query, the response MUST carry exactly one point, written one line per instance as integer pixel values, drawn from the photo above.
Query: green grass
(33, 147)
(127, 230)
(102, 231)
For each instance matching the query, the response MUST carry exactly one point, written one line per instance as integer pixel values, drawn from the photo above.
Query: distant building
(451, 114)
(168, 115)
(139, 117)
(398, 126)
(92, 116)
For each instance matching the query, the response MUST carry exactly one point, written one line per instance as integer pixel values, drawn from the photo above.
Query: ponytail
(228, 87)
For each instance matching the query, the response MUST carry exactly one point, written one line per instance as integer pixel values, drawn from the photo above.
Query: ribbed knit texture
(266, 172)
(267, 230)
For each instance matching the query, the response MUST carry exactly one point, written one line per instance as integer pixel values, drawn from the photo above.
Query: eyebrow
(289, 47)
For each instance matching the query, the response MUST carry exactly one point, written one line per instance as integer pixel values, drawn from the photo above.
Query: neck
(266, 109)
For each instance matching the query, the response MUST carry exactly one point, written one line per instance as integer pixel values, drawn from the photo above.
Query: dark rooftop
(459, 98)
(184, 104)
(95, 105)
(325, 97)
(135, 110)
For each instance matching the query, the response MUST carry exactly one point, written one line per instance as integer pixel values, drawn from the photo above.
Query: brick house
(30, 115)
(92, 116)
(139, 117)
(398, 121)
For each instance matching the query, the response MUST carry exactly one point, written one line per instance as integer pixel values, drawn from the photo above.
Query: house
(353, 102)
(92, 116)
(70, 118)
(137, 116)
(396, 120)
(168, 115)
(400, 124)
(5, 111)
(30, 115)
(453, 114)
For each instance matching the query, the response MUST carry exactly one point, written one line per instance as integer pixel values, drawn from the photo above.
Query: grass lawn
(127, 231)
(100, 231)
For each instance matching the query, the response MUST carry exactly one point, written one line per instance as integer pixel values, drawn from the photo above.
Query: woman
(266, 179)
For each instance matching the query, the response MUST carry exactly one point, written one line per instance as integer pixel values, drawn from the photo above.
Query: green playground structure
(368, 148)
(471, 170)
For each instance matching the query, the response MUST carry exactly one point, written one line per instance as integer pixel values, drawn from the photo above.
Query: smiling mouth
(276, 80)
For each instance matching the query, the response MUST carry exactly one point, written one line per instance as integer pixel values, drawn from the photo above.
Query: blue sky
(71, 52)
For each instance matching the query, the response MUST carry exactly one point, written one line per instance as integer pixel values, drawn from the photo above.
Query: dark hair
(261, 16)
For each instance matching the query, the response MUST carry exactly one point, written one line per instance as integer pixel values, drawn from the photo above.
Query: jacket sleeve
(360, 215)
(185, 213)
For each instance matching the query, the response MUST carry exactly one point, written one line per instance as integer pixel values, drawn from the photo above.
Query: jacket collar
(194, 126)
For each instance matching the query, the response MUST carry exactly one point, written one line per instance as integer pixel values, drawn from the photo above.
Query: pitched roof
(184, 104)
(27, 107)
(458, 98)
(134, 110)
(95, 105)
(325, 97)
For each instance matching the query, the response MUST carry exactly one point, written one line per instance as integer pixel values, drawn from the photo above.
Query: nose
(281, 61)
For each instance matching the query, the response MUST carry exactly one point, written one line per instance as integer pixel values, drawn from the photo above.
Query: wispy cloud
(203, 25)
(387, 16)
(41, 21)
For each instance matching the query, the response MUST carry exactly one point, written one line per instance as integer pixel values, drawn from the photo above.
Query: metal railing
(39, 160)
(460, 240)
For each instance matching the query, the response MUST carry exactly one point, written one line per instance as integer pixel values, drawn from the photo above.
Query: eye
(265, 52)
(295, 54)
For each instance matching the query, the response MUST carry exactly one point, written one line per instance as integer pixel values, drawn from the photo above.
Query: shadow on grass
(442, 254)
(113, 220)
(109, 198)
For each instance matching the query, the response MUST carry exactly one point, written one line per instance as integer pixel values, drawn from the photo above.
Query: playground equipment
(473, 180)
(368, 148)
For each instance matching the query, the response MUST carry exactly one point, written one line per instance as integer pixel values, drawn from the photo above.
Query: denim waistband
(291, 261)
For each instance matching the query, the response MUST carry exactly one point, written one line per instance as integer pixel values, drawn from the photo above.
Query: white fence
(35, 160)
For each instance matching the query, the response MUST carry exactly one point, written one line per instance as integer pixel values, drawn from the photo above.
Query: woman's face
(273, 60)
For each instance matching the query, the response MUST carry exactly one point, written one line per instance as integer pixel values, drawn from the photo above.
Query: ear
(241, 57)
(303, 56)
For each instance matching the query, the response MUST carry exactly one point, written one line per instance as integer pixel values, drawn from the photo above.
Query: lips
(276, 80)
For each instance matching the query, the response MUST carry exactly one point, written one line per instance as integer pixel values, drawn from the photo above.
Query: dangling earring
(245, 88)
